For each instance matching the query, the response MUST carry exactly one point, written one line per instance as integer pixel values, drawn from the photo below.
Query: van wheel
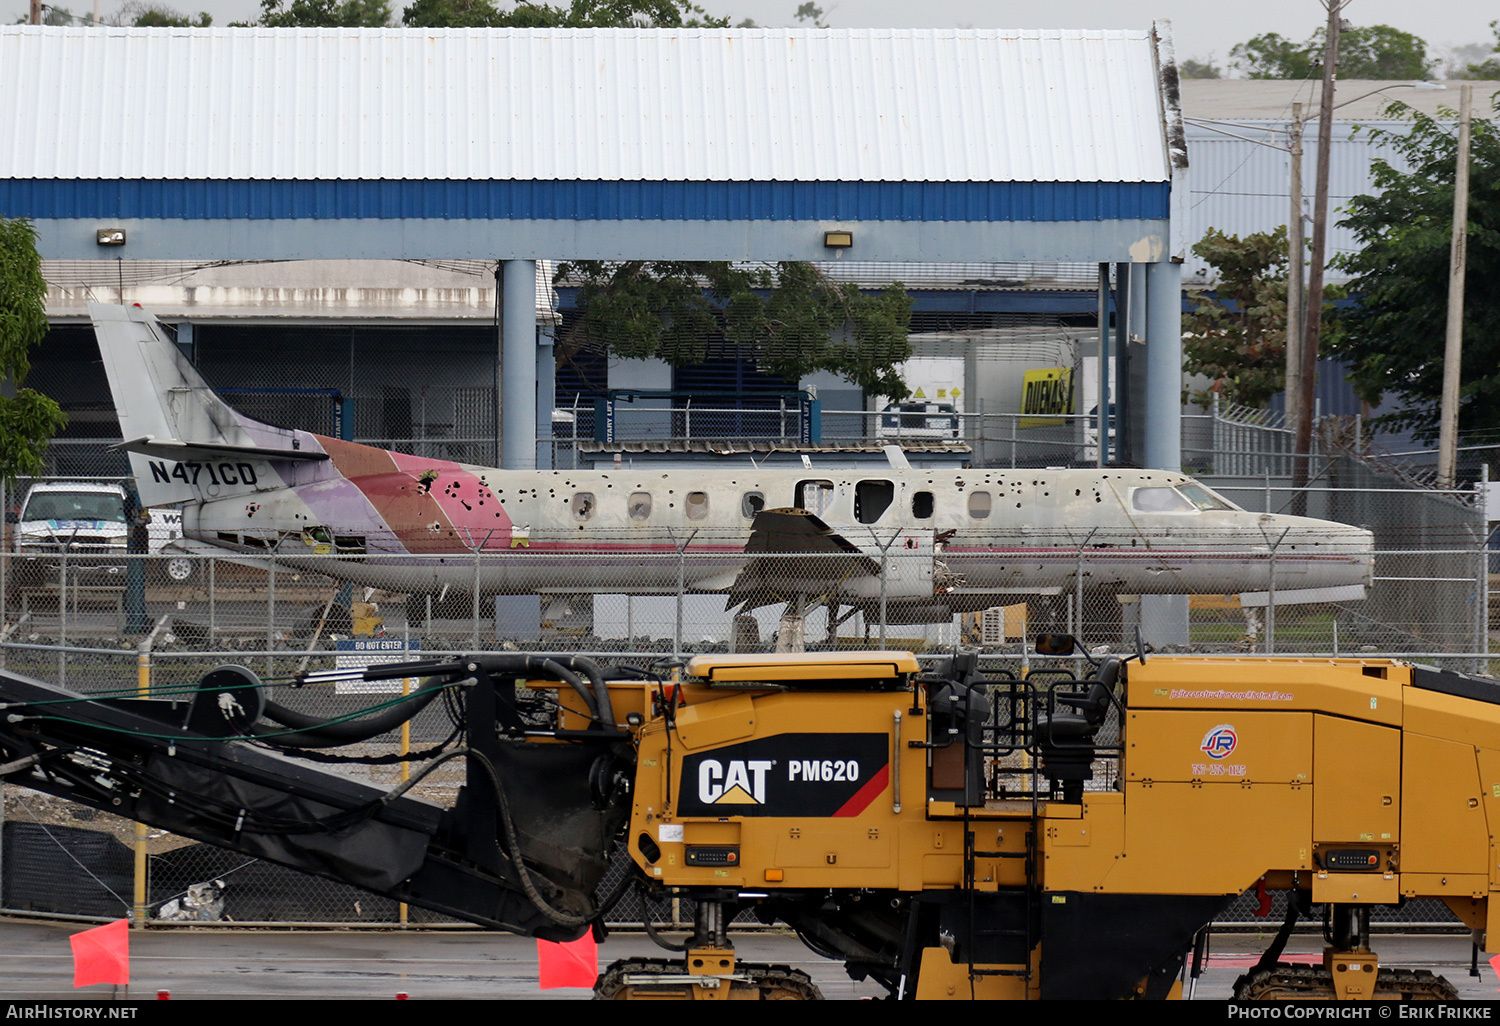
(180, 569)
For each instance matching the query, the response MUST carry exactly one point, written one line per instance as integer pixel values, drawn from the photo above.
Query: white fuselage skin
(1002, 532)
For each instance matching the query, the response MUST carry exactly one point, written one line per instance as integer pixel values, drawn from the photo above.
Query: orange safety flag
(1495, 965)
(102, 955)
(574, 964)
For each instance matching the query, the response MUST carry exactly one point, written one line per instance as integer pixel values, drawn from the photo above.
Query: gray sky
(1200, 28)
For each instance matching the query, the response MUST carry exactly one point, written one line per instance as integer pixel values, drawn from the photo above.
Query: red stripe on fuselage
(431, 506)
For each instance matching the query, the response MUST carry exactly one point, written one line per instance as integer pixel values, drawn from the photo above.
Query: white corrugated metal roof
(580, 105)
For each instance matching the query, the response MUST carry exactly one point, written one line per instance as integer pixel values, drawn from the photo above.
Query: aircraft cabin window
(979, 505)
(815, 496)
(872, 499)
(639, 506)
(751, 503)
(697, 505)
(1161, 500)
(583, 505)
(921, 505)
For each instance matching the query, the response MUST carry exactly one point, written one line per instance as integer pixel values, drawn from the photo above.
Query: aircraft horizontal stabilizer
(775, 574)
(176, 449)
(1297, 596)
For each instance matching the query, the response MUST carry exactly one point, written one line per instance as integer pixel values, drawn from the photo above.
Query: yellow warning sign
(1046, 391)
(918, 394)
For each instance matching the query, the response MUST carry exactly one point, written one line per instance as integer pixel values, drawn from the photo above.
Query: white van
(85, 519)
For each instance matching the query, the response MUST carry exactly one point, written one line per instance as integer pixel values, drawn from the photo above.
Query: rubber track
(1284, 982)
(771, 982)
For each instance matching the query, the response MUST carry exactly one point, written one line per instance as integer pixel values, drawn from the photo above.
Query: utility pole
(1301, 460)
(1453, 345)
(36, 12)
(1295, 245)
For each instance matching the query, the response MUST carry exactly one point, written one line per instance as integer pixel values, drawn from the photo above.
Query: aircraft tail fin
(167, 410)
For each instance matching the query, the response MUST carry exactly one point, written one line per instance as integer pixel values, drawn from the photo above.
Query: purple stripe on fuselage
(339, 504)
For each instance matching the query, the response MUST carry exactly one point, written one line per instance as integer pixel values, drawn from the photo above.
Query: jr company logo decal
(1219, 741)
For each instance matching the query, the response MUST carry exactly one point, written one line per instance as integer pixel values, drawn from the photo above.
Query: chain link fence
(113, 624)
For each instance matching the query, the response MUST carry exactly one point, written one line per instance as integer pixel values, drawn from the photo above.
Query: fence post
(474, 608)
(271, 621)
(1216, 429)
(1484, 577)
(143, 690)
(62, 618)
(1271, 596)
(1078, 587)
(1482, 581)
(884, 552)
(5, 542)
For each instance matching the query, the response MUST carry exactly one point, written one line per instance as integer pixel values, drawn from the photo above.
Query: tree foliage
(580, 14)
(792, 319)
(28, 419)
(1394, 334)
(1236, 332)
(1489, 67)
(1368, 51)
(148, 14)
(1237, 336)
(1206, 68)
(324, 13)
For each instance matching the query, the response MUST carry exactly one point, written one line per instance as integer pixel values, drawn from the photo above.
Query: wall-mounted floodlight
(838, 240)
(110, 236)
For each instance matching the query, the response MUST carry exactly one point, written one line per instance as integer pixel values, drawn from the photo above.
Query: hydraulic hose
(317, 732)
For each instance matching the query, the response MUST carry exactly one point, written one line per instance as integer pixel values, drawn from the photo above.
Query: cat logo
(742, 782)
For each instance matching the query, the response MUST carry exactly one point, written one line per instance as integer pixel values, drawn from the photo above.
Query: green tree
(1394, 333)
(1273, 56)
(154, 15)
(1237, 335)
(1236, 332)
(452, 14)
(1379, 51)
(324, 13)
(792, 319)
(1368, 51)
(812, 13)
(1490, 67)
(28, 419)
(1206, 68)
(580, 14)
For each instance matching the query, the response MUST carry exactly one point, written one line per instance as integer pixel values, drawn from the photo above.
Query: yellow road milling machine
(945, 834)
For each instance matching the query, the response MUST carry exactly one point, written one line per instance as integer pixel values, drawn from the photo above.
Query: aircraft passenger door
(872, 499)
(815, 496)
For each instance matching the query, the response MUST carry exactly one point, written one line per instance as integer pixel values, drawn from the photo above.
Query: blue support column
(546, 397)
(1163, 448)
(1164, 618)
(518, 365)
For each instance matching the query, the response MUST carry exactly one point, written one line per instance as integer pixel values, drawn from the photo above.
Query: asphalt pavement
(253, 965)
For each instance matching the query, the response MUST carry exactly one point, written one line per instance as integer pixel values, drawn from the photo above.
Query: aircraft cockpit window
(815, 496)
(697, 505)
(979, 505)
(1203, 498)
(583, 505)
(639, 506)
(751, 503)
(921, 505)
(1161, 500)
(872, 499)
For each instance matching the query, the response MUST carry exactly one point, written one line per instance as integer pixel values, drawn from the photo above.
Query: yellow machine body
(1352, 783)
